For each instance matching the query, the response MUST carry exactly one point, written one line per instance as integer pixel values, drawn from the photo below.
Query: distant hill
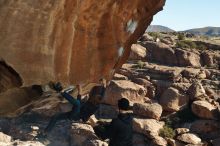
(209, 31)
(159, 28)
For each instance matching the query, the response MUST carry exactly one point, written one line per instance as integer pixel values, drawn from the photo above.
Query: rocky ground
(172, 82)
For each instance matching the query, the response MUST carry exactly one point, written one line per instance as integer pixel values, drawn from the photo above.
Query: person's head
(96, 99)
(123, 104)
(96, 94)
(56, 86)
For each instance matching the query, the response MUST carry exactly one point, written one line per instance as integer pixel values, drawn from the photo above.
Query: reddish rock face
(70, 41)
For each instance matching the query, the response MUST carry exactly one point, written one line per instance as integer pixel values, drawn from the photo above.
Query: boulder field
(172, 85)
(172, 104)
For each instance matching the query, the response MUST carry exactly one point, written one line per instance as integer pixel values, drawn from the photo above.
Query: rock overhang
(71, 41)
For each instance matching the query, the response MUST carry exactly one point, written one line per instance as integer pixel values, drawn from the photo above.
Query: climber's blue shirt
(83, 110)
(75, 113)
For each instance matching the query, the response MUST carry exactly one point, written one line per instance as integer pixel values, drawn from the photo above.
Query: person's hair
(97, 91)
(58, 87)
(123, 104)
(101, 80)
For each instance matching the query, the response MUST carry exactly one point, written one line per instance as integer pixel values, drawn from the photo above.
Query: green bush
(155, 35)
(167, 132)
(186, 44)
(181, 36)
(202, 47)
(140, 64)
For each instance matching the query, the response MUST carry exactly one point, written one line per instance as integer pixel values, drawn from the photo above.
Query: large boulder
(196, 91)
(83, 134)
(181, 131)
(207, 129)
(203, 109)
(187, 58)
(5, 138)
(189, 138)
(148, 127)
(160, 53)
(152, 111)
(210, 58)
(138, 52)
(13, 99)
(26, 143)
(124, 89)
(172, 100)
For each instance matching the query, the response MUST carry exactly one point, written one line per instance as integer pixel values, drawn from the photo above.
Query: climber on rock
(79, 110)
(119, 131)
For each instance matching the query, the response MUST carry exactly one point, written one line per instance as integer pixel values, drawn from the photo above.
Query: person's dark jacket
(87, 109)
(120, 130)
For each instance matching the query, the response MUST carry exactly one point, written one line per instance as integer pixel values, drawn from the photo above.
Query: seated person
(120, 130)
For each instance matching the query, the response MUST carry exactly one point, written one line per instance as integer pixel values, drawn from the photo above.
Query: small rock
(159, 141)
(94, 143)
(119, 77)
(181, 131)
(35, 128)
(201, 75)
(92, 120)
(173, 142)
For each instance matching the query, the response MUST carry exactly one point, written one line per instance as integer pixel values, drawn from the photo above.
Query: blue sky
(187, 14)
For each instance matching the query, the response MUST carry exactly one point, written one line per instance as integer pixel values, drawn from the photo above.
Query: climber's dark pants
(74, 114)
(61, 116)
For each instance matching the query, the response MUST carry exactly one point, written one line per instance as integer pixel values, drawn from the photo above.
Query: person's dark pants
(74, 114)
(55, 118)
(58, 117)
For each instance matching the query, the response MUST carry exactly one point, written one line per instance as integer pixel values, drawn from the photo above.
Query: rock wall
(72, 41)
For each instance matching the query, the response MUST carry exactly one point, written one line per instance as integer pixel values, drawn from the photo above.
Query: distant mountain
(159, 28)
(209, 31)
